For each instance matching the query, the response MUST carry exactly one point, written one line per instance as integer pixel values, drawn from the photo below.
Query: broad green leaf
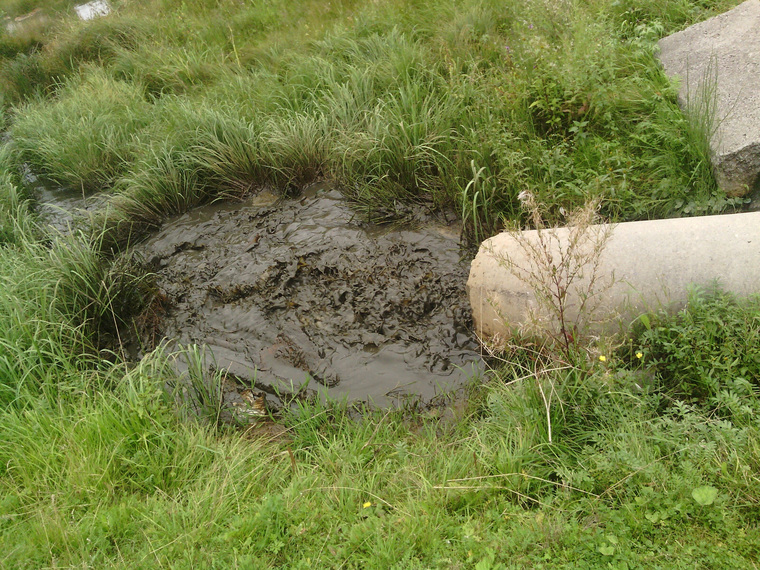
(705, 495)
(608, 550)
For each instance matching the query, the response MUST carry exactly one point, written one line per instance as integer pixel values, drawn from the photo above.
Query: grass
(83, 140)
(458, 107)
(129, 482)
(648, 458)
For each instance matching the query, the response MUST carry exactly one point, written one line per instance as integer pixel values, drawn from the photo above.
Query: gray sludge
(298, 296)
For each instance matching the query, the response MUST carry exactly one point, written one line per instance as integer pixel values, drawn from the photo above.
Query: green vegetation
(647, 457)
(459, 106)
(83, 140)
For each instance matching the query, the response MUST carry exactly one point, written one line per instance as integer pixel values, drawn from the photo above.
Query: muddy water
(62, 209)
(298, 296)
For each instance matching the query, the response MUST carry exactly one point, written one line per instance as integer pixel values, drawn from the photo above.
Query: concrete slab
(718, 63)
(92, 10)
(644, 266)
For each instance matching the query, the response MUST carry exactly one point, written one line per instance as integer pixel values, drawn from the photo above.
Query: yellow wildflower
(602, 358)
(367, 505)
(639, 355)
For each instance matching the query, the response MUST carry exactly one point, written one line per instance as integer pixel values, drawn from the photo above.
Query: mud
(299, 297)
(62, 209)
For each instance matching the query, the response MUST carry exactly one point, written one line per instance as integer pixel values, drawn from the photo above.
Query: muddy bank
(298, 296)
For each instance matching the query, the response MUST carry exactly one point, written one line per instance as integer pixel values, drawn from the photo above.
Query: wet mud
(298, 297)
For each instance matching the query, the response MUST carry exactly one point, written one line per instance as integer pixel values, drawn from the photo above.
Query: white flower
(525, 196)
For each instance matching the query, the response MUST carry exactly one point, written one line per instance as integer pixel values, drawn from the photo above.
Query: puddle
(299, 297)
(61, 208)
(35, 18)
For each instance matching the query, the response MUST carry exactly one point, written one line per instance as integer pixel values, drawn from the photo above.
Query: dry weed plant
(564, 272)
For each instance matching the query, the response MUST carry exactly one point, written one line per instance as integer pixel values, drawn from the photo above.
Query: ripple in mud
(298, 297)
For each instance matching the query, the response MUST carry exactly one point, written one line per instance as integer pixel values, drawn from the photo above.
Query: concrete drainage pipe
(605, 276)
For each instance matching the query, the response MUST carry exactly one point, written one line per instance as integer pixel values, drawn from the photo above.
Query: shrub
(708, 353)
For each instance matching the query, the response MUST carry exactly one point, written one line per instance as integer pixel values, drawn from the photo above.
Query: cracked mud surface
(298, 296)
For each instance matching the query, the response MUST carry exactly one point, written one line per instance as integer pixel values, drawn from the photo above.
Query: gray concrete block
(643, 266)
(718, 63)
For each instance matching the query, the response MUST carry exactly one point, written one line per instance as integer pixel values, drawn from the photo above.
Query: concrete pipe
(602, 277)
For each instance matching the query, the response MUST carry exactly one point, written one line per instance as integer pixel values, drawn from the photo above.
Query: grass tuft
(85, 138)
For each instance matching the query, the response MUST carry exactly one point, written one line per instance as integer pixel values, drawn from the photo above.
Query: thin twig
(525, 475)
(548, 409)
(632, 473)
(374, 433)
(378, 499)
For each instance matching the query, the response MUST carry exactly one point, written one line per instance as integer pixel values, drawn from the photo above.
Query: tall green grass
(616, 484)
(61, 302)
(38, 56)
(86, 136)
(458, 107)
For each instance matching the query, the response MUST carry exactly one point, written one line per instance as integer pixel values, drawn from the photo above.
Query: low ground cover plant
(707, 354)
